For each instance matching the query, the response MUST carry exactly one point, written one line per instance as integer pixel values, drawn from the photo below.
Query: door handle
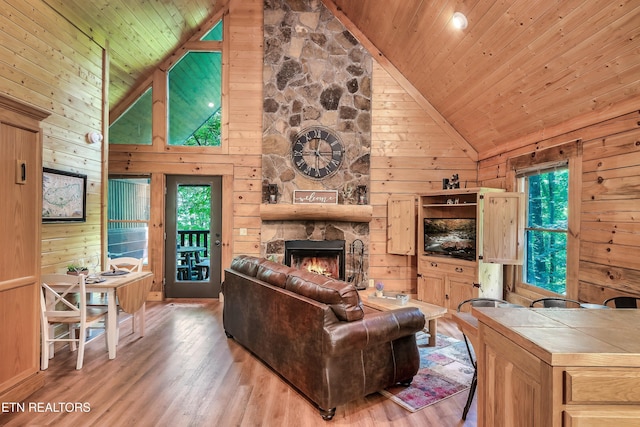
(217, 242)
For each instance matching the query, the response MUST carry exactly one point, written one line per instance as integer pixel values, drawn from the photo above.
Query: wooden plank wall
(609, 259)
(46, 62)
(238, 161)
(410, 154)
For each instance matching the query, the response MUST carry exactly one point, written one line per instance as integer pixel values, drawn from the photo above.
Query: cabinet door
(431, 288)
(502, 231)
(20, 210)
(460, 290)
(401, 225)
(509, 384)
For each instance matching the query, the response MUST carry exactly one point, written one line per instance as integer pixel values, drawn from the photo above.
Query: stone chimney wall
(315, 74)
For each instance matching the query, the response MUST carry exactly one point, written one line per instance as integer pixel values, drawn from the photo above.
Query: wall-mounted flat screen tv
(451, 237)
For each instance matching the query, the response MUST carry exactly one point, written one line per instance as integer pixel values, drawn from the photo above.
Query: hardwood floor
(185, 372)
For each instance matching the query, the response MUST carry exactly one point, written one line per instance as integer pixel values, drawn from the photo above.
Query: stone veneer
(315, 73)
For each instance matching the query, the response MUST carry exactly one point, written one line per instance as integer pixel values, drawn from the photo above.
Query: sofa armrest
(373, 329)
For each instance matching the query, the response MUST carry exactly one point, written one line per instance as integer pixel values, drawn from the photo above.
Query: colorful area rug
(445, 370)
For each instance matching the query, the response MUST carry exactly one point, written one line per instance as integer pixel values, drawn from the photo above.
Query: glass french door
(193, 211)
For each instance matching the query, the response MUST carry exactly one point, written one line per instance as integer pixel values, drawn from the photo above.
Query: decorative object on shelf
(269, 192)
(451, 183)
(361, 193)
(379, 289)
(272, 192)
(356, 252)
(317, 152)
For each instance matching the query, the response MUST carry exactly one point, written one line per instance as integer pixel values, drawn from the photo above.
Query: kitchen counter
(558, 367)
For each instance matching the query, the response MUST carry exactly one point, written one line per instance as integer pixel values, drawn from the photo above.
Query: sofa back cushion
(341, 296)
(247, 264)
(273, 273)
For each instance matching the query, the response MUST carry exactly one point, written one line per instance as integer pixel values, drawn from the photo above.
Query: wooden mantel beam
(316, 212)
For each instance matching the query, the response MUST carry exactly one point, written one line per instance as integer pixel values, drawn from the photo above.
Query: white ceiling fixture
(459, 20)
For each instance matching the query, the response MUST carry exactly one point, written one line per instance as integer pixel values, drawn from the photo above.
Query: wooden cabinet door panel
(460, 290)
(431, 289)
(20, 218)
(502, 231)
(509, 382)
(401, 225)
(18, 338)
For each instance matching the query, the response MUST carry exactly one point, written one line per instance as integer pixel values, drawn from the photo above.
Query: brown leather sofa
(314, 332)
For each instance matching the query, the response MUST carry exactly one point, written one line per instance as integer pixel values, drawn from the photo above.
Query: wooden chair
(203, 269)
(623, 302)
(63, 300)
(129, 264)
(475, 302)
(554, 302)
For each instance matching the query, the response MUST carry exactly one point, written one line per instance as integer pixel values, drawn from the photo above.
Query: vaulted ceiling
(519, 70)
(139, 34)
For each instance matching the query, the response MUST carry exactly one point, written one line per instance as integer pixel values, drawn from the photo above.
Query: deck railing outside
(195, 238)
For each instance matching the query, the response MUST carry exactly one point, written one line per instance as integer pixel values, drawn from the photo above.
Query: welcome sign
(315, 197)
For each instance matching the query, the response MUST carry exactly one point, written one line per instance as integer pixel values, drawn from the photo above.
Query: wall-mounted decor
(64, 196)
(317, 152)
(315, 197)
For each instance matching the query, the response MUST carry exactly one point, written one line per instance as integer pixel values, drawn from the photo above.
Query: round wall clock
(317, 152)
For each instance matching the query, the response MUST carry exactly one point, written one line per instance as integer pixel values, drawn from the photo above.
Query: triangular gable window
(215, 34)
(195, 98)
(134, 125)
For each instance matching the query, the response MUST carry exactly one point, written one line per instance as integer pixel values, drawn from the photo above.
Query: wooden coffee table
(431, 312)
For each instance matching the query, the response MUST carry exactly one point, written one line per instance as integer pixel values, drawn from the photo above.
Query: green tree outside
(546, 236)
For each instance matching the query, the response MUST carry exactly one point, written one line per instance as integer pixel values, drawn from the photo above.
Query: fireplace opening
(318, 256)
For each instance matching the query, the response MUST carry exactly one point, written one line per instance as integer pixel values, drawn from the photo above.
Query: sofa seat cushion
(342, 297)
(273, 273)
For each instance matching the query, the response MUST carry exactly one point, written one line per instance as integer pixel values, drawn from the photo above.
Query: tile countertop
(570, 336)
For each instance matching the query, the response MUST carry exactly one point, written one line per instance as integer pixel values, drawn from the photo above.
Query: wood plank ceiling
(518, 71)
(520, 68)
(140, 34)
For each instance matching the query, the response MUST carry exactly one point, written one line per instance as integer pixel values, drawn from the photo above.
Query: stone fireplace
(325, 257)
(276, 234)
(316, 73)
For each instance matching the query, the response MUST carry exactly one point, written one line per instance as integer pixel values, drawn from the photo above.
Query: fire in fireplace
(318, 256)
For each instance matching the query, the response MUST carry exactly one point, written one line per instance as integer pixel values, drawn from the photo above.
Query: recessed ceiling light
(459, 20)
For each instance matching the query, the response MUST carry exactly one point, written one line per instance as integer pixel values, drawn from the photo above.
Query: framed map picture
(64, 196)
